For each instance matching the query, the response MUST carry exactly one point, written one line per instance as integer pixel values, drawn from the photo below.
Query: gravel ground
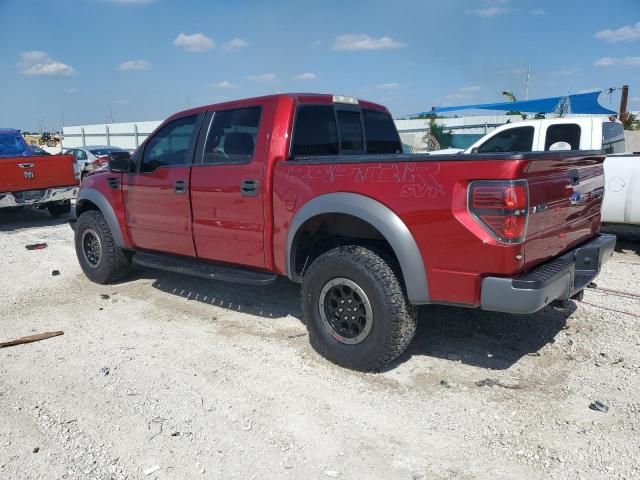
(166, 376)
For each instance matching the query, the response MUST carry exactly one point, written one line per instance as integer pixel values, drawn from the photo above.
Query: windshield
(99, 152)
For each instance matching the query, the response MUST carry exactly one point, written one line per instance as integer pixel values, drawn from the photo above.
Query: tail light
(101, 161)
(501, 207)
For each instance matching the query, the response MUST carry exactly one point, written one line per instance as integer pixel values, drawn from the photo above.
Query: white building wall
(126, 135)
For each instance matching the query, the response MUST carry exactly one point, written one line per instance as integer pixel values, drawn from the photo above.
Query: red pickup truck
(28, 180)
(315, 188)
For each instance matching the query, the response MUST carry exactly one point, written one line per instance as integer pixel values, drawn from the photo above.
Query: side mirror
(120, 162)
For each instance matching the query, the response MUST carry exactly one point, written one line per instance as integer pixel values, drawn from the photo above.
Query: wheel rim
(345, 311)
(91, 248)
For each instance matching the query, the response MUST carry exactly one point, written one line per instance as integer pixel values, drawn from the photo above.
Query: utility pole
(526, 88)
(623, 103)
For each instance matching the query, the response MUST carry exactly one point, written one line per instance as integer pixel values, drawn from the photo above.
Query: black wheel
(355, 309)
(101, 260)
(57, 209)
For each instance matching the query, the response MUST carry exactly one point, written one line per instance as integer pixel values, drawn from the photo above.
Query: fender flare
(98, 199)
(383, 219)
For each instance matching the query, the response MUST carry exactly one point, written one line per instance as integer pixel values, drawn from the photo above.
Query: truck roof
(296, 97)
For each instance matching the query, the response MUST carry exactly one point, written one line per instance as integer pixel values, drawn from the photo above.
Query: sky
(93, 61)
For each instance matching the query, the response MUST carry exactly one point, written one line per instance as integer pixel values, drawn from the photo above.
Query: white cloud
(38, 63)
(588, 90)
(473, 88)
(235, 44)
(305, 76)
(388, 86)
(537, 11)
(362, 41)
(196, 43)
(458, 96)
(225, 84)
(134, 65)
(488, 12)
(564, 72)
(634, 99)
(620, 61)
(71, 90)
(628, 33)
(264, 77)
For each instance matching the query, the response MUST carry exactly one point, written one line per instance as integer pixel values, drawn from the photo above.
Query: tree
(512, 97)
(444, 137)
(631, 122)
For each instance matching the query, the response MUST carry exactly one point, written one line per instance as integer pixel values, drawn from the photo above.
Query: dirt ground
(166, 376)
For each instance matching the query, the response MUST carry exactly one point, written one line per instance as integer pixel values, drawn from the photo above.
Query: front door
(157, 198)
(227, 185)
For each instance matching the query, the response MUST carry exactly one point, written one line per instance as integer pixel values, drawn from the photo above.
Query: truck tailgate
(565, 198)
(36, 172)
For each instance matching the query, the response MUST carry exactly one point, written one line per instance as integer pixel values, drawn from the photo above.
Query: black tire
(57, 209)
(112, 263)
(392, 324)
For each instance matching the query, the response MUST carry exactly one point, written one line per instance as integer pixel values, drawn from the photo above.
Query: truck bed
(429, 194)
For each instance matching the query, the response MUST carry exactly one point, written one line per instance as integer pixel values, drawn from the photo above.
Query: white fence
(125, 135)
(132, 134)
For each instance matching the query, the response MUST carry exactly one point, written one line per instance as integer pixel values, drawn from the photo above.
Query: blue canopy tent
(579, 103)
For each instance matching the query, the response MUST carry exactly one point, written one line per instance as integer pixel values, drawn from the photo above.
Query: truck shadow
(628, 237)
(15, 220)
(277, 300)
(485, 339)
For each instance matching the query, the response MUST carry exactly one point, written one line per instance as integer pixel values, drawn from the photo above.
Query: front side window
(382, 135)
(170, 146)
(519, 139)
(80, 155)
(315, 132)
(350, 131)
(232, 134)
(564, 132)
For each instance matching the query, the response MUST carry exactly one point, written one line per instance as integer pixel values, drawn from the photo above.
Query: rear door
(227, 185)
(157, 199)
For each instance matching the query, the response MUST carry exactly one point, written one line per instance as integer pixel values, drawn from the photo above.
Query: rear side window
(170, 145)
(567, 132)
(231, 137)
(315, 132)
(518, 139)
(350, 131)
(382, 136)
(612, 137)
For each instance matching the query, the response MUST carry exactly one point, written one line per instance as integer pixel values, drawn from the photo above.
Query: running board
(200, 268)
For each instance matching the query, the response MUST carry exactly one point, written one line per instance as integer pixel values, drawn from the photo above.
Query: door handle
(180, 187)
(249, 188)
(25, 165)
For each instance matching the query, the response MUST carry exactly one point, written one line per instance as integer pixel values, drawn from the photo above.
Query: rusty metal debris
(30, 339)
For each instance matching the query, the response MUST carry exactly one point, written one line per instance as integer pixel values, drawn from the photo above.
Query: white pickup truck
(621, 170)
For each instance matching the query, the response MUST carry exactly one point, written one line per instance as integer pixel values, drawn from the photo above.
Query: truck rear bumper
(35, 197)
(558, 279)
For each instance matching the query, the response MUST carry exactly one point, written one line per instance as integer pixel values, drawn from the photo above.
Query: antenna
(526, 88)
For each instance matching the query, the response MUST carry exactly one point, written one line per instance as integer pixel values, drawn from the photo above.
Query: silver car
(92, 157)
